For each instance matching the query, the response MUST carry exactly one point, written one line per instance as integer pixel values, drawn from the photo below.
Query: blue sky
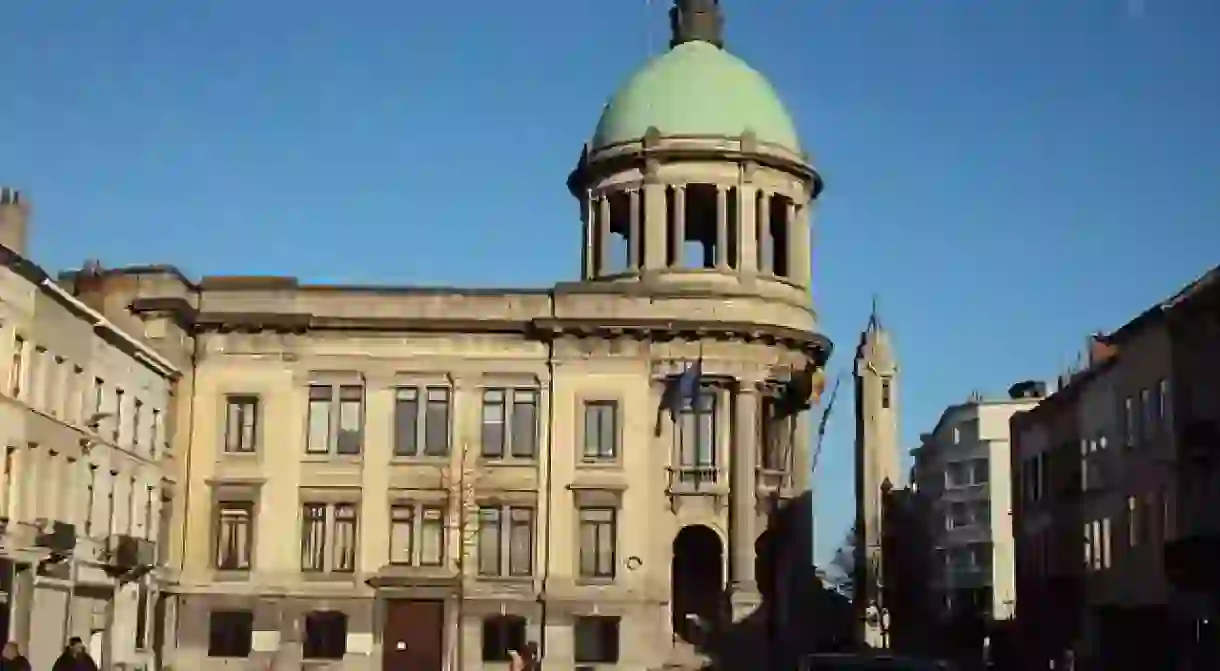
(1008, 175)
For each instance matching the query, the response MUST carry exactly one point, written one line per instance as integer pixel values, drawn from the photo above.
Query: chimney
(1027, 389)
(1099, 350)
(14, 219)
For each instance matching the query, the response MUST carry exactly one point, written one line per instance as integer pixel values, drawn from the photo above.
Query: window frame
(419, 513)
(320, 554)
(507, 522)
(338, 392)
(606, 630)
(583, 514)
(690, 409)
(510, 397)
(421, 399)
(250, 511)
(595, 410)
(509, 631)
(236, 408)
(317, 645)
(244, 637)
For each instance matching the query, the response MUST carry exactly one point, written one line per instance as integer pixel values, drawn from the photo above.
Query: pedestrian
(75, 658)
(11, 658)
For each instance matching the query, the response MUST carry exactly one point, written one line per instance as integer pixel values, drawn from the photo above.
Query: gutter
(144, 353)
(550, 495)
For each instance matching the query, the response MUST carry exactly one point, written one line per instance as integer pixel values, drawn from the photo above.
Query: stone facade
(83, 421)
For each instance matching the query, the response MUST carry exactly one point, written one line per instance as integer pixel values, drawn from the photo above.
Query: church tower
(877, 462)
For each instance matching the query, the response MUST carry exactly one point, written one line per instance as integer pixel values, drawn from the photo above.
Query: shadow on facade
(797, 614)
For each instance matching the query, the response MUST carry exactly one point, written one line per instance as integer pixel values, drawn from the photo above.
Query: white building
(83, 427)
(963, 469)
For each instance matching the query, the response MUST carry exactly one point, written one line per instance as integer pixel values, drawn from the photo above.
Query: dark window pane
(432, 537)
(502, 633)
(525, 423)
(406, 415)
(521, 542)
(493, 423)
(597, 640)
(325, 635)
(489, 541)
(436, 423)
(313, 537)
(351, 419)
(230, 633)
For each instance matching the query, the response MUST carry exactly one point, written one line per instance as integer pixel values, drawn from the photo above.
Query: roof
(696, 89)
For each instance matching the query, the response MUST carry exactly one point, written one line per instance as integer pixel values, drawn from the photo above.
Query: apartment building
(1100, 471)
(962, 473)
(85, 469)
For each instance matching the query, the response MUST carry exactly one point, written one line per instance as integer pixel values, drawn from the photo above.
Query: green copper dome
(696, 88)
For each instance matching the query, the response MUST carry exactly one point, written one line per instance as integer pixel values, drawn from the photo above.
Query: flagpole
(813, 469)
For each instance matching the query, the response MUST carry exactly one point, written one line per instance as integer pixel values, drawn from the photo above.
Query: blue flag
(681, 390)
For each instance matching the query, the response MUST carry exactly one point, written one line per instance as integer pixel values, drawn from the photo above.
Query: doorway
(413, 637)
(697, 579)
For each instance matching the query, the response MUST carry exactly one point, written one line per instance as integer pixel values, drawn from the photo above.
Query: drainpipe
(550, 496)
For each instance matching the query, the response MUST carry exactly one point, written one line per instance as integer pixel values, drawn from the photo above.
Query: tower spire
(696, 21)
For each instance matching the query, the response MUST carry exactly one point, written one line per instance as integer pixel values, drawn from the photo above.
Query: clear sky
(1008, 175)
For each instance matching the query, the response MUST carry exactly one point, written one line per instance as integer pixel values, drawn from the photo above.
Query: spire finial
(874, 317)
(696, 21)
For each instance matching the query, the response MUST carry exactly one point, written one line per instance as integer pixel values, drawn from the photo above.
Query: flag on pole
(681, 390)
(830, 405)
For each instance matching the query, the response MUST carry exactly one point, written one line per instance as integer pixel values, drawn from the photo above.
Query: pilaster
(743, 490)
(654, 225)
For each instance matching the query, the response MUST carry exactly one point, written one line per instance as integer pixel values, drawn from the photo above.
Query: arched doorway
(697, 580)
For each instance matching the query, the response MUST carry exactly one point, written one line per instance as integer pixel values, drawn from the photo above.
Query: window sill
(331, 458)
(600, 464)
(327, 576)
(508, 462)
(231, 575)
(585, 581)
(424, 460)
(507, 579)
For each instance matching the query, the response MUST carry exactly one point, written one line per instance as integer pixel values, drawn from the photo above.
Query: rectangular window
(597, 542)
(344, 551)
(234, 535)
(1163, 398)
(241, 424)
(697, 431)
(596, 639)
(1129, 422)
(336, 419)
(436, 422)
(99, 392)
(118, 414)
(313, 537)
(510, 423)
(16, 372)
(886, 393)
(318, 441)
(351, 419)
(328, 537)
(141, 633)
(137, 417)
(406, 422)
(489, 533)
(1147, 414)
(230, 633)
(417, 535)
(506, 541)
(37, 385)
(1135, 527)
(601, 431)
(502, 633)
(325, 635)
(155, 437)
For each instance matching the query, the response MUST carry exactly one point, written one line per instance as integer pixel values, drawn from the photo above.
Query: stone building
(83, 425)
(384, 477)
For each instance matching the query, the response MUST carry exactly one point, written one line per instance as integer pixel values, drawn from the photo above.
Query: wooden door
(413, 637)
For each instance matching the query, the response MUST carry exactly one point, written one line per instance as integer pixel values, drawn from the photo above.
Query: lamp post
(459, 485)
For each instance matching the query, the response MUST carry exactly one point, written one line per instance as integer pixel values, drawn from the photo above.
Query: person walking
(11, 658)
(75, 658)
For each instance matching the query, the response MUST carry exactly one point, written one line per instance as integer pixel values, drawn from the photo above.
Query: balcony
(697, 482)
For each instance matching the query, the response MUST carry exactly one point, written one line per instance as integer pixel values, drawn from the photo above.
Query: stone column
(798, 245)
(373, 545)
(634, 258)
(654, 224)
(586, 237)
(679, 224)
(603, 235)
(722, 227)
(766, 244)
(743, 489)
(747, 228)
